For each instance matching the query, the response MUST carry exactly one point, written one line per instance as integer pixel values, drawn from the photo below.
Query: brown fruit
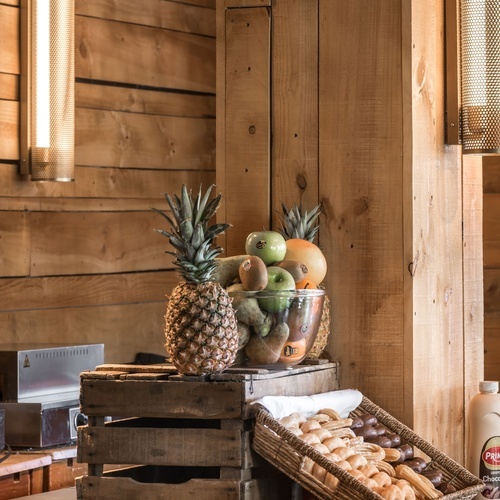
(295, 268)
(266, 350)
(253, 273)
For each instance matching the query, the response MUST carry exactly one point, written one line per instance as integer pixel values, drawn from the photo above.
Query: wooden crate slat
(159, 446)
(118, 488)
(132, 368)
(161, 399)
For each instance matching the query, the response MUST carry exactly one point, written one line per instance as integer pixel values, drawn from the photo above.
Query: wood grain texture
(54, 292)
(115, 98)
(160, 446)
(96, 242)
(360, 183)
(143, 141)
(491, 290)
(165, 399)
(133, 145)
(14, 243)
(9, 130)
(9, 39)
(491, 323)
(438, 300)
(294, 157)
(246, 136)
(492, 346)
(475, 349)
(492, 230)
(158, 13)
(129, 53)
(491, 174)
(9, 87)
(124, 329)
(111, 189)
(246, 3)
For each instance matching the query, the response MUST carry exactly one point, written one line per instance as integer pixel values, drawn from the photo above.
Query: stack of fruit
(261, 308)
(276, 297)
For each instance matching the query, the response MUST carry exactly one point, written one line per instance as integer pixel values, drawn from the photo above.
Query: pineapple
(201, 333)
(297, 223)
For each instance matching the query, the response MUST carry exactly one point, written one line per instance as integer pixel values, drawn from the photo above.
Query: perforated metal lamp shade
(480, 80)
(47, 89)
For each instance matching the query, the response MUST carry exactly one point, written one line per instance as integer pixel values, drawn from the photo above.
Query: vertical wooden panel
(474, 342)
(438, 331)
(9, 39)
(246, 135)
(360, 182)
(294, 105)
(9, 130)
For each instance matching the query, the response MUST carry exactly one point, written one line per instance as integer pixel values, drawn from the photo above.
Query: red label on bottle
(491, 456)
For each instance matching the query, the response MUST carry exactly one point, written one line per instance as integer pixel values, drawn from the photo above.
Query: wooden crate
(183, 437)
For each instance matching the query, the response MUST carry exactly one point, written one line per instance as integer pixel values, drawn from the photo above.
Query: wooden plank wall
(80, 262)
(491, 228)
(356, 94)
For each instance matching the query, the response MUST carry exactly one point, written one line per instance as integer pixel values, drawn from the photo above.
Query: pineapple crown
(298, 223)
(190, 234)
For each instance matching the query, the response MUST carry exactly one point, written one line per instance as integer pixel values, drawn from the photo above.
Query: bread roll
(321, 448)
(382, 478)
(369, 470)
(310, 438)
(289, 422)
(309, 425)
(357, 474)
(321, 433)
(334, 442)
(331, 481)
(368, 482)
(333, 457)
(392, 492)
(344, 452)
(319, 472)
(295, 430)
(357, 460)
(344, 464)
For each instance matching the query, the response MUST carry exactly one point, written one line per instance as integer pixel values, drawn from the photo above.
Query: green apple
(270, 246)
(277, 295)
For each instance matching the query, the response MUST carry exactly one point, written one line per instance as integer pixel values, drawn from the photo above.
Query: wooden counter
(37, 471)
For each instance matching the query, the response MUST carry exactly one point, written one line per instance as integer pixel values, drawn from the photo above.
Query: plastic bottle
(484, 438)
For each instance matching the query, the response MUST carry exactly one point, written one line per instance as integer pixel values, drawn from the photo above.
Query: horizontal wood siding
(81, 262)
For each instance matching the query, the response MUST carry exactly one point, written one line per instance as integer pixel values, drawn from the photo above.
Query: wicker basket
(287, 453)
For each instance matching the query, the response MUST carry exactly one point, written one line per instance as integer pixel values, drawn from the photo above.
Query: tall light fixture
(476, 124)
(47, 90)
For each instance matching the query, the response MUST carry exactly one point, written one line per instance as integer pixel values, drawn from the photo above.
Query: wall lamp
(47, 111)
(473, 75)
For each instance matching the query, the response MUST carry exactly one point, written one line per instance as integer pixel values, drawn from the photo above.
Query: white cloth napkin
(343, 402)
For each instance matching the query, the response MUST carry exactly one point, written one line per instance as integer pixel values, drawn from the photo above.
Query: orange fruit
(306, 284)
(310, 255)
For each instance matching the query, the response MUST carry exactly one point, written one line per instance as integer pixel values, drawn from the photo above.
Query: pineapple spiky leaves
(299, 223)
(201, 335)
